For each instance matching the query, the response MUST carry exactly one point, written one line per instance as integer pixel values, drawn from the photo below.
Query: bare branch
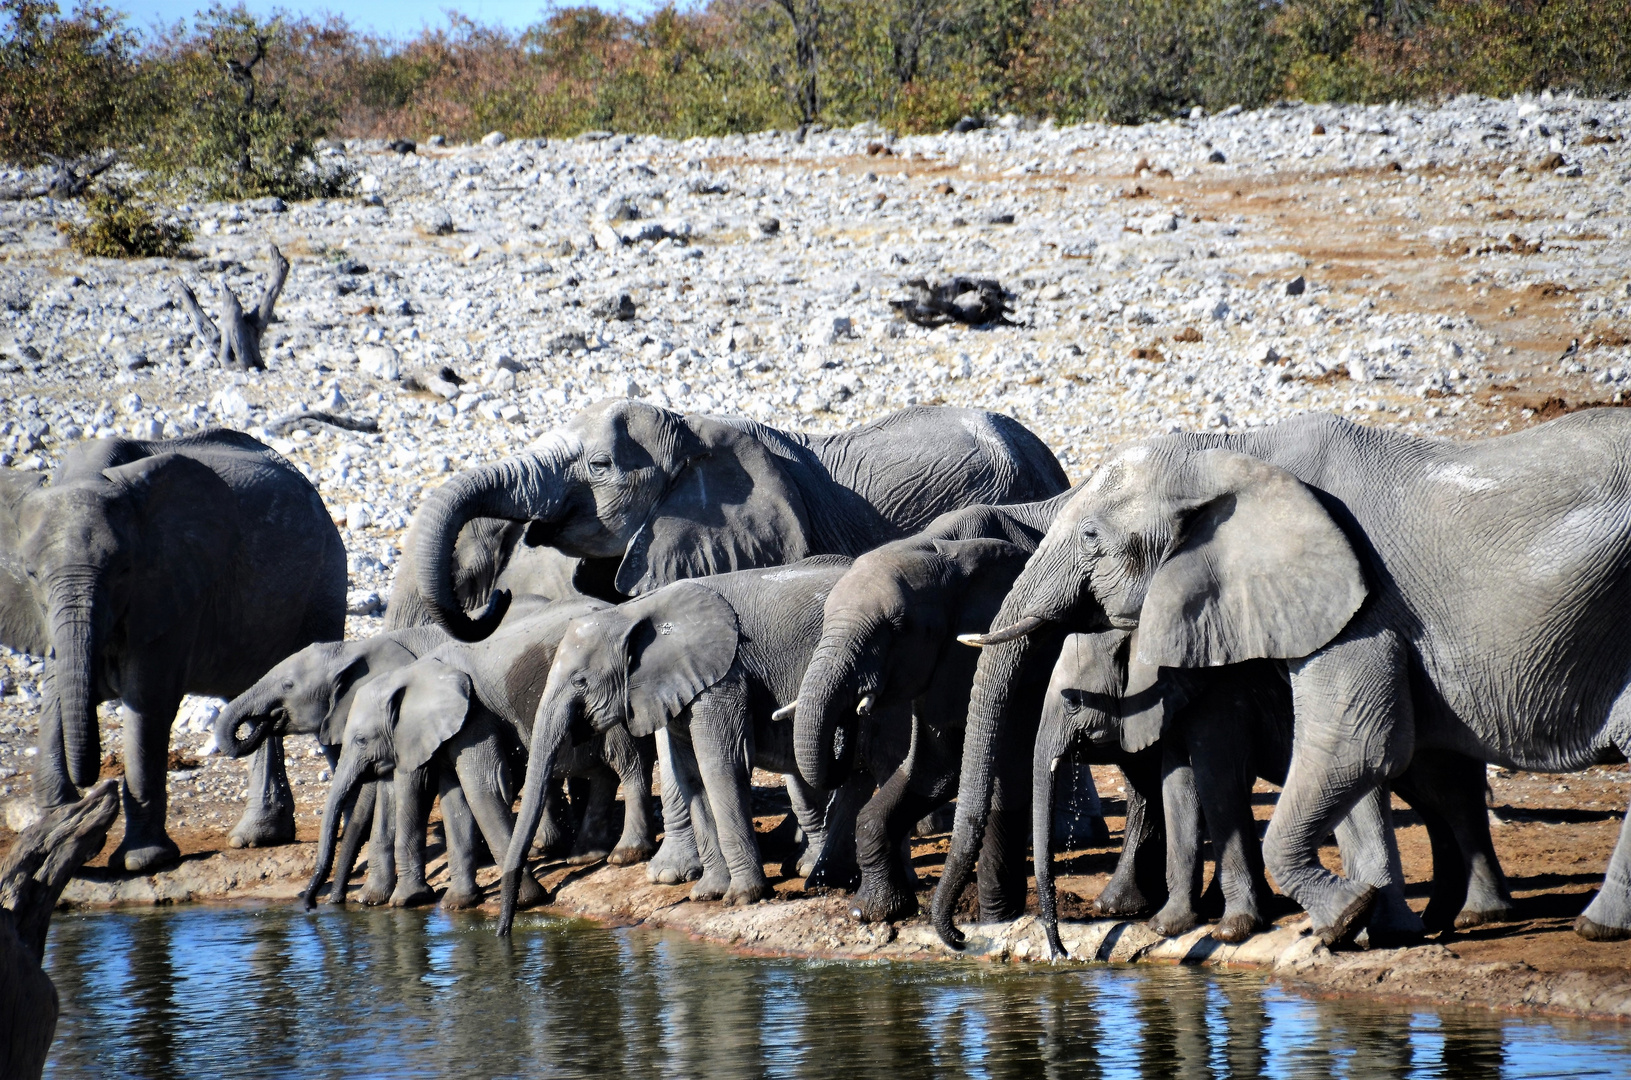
(239, 336)
(206, 328)
(274, 286)
(38, 867)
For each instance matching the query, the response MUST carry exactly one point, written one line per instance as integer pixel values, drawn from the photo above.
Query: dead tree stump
(238, 338)
(32, 878)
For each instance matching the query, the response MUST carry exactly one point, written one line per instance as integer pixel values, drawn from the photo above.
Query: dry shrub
(123, 226)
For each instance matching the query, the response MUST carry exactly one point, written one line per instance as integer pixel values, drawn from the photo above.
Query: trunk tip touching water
(510, 893)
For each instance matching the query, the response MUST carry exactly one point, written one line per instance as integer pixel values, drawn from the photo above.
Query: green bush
(63, 81)
(121, 226)
(235, 113)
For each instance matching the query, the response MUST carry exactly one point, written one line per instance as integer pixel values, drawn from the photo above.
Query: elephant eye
(580, 681)
(288, 684)
(600, 463)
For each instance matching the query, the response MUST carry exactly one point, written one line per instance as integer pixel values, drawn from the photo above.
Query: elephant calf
(709, 660)
(460, 718)
(157, 569)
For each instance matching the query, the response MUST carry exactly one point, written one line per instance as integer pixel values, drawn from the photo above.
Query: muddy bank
(1459, 971)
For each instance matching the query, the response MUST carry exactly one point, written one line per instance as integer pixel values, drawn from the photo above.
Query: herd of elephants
(919, 610)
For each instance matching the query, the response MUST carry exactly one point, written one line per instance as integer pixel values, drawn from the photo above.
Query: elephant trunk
(528, 488)
(342, 800)
(1051, 744)
(549, 732)
(826, 715)
(72, 704)
(245, 710)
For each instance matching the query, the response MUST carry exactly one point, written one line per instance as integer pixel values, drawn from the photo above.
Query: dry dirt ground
(1554, 833)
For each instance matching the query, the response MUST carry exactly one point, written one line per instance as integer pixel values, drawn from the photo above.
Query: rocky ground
(1456, 271)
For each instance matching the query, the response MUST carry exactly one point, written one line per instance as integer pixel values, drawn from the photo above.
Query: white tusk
(864, 706)
(785, 711)
(976, 640)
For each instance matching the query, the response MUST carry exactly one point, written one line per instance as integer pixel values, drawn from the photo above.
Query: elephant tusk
(786, 711)
(1020, 629)
(864, 706)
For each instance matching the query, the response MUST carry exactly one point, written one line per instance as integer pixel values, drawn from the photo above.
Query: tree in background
(64, 82)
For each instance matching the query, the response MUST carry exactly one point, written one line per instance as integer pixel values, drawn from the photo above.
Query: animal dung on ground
(971, 301)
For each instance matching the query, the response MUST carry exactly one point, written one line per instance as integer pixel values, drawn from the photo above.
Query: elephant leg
(459, 825)
(714, 879)
(376, 889)
(412, 818)
(1354, 729)
(1003, 863)
(147, 846)
(1224, 777)
(554, 835)
(268, 818)
(632, 760)
(677, 859)
(1139, 883)
(594, 834)
(1608, 916)
(1370, 855)
(922, 783)
(1182, 805)
(719, 736)
(1469, 888)
(477, 761)
(357, 825)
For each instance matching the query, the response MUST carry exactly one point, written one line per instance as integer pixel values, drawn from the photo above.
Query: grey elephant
(642, 496)
(1366, 561)
(886, 690)
(157, 569)
(709, 660)
(489, 554)
(461, 716)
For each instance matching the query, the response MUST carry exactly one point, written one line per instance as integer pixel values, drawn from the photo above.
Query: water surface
(273, 992)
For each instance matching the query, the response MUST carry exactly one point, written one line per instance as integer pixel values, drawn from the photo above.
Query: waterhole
(273, 992)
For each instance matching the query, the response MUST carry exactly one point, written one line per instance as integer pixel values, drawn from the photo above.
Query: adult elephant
(1423, 596)
(158, 569)
(645, 496)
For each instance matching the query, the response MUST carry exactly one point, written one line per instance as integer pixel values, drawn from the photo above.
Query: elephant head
(397, 723)
(309, 693)
(662, 495)
(885, 630)
(134, 546)
(1213, 556)
(640, 665)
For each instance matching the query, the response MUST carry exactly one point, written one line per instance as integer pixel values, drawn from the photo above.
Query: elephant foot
(584, 858)
(531, 894)
(675, 862)
(883, 902)
(373, 894)
(1592, 930)
(459, 899)
(751, 893)
(1467, 918)
(1120, 901)
(711, 887)
(412, 895)
(631, 854)
(263, 827)
(1172, 923)
(828, 876)
(144, 857)
(1349, 919)
(1236, 927)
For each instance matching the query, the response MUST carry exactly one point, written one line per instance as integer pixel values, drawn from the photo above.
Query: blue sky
(397, 18)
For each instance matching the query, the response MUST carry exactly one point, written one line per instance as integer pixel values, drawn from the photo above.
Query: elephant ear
(1259, 569)
(187, 520)
(22, 623)
(431, 706)
(683, 641)
(1148, 702)
(731, 506)
(343, 685)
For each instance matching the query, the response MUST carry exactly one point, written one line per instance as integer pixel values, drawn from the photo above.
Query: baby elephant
(461, 716)
(710, 660)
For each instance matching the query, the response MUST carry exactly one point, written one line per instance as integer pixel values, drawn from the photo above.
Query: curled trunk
(818, 721)
(516, 489)
(239, 713)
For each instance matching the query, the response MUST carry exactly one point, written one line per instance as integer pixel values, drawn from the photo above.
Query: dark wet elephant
(1366, 560)
(158, 569)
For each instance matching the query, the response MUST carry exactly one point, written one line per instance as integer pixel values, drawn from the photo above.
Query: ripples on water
(271, 992)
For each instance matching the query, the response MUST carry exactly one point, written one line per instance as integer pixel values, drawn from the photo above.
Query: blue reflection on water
(273, 992)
